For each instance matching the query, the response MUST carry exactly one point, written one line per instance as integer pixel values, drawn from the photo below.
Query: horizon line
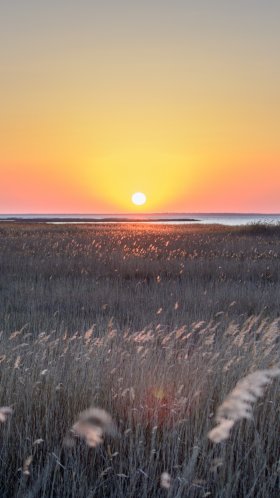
(175, 213)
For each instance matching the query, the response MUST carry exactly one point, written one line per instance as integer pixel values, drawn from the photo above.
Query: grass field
(154, 324)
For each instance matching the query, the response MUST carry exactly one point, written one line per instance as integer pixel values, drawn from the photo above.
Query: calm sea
(178, 218)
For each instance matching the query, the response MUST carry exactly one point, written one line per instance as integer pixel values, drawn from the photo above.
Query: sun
(139, 199)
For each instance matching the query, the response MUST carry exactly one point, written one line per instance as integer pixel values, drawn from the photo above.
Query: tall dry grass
(160, 384)
(162, 390)
(71, 277)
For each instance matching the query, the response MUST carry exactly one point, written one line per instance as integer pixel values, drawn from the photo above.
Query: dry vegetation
(155, 325)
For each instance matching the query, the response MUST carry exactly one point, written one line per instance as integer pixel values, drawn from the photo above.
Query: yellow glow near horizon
(92, 111)
(139, 199)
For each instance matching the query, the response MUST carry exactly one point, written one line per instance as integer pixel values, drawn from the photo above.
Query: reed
(123, 404)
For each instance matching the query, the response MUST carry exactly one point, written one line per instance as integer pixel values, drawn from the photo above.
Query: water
(177, 218)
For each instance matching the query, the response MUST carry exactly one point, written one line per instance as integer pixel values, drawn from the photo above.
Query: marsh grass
(70, 277)
(262, 229)
(162, 391)
(159, 377)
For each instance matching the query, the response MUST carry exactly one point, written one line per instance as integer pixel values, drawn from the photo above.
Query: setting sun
(139, 198)
(188, 114)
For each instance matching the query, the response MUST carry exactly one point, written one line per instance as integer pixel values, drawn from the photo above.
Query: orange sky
(179, 100)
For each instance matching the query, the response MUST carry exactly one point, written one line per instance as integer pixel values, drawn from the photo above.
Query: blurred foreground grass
(153, 324)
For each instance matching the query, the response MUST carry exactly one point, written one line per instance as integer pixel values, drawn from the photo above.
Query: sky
(176, 99)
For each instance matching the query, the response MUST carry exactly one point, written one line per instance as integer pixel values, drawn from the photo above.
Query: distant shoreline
(140, 218)
(97, 220)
